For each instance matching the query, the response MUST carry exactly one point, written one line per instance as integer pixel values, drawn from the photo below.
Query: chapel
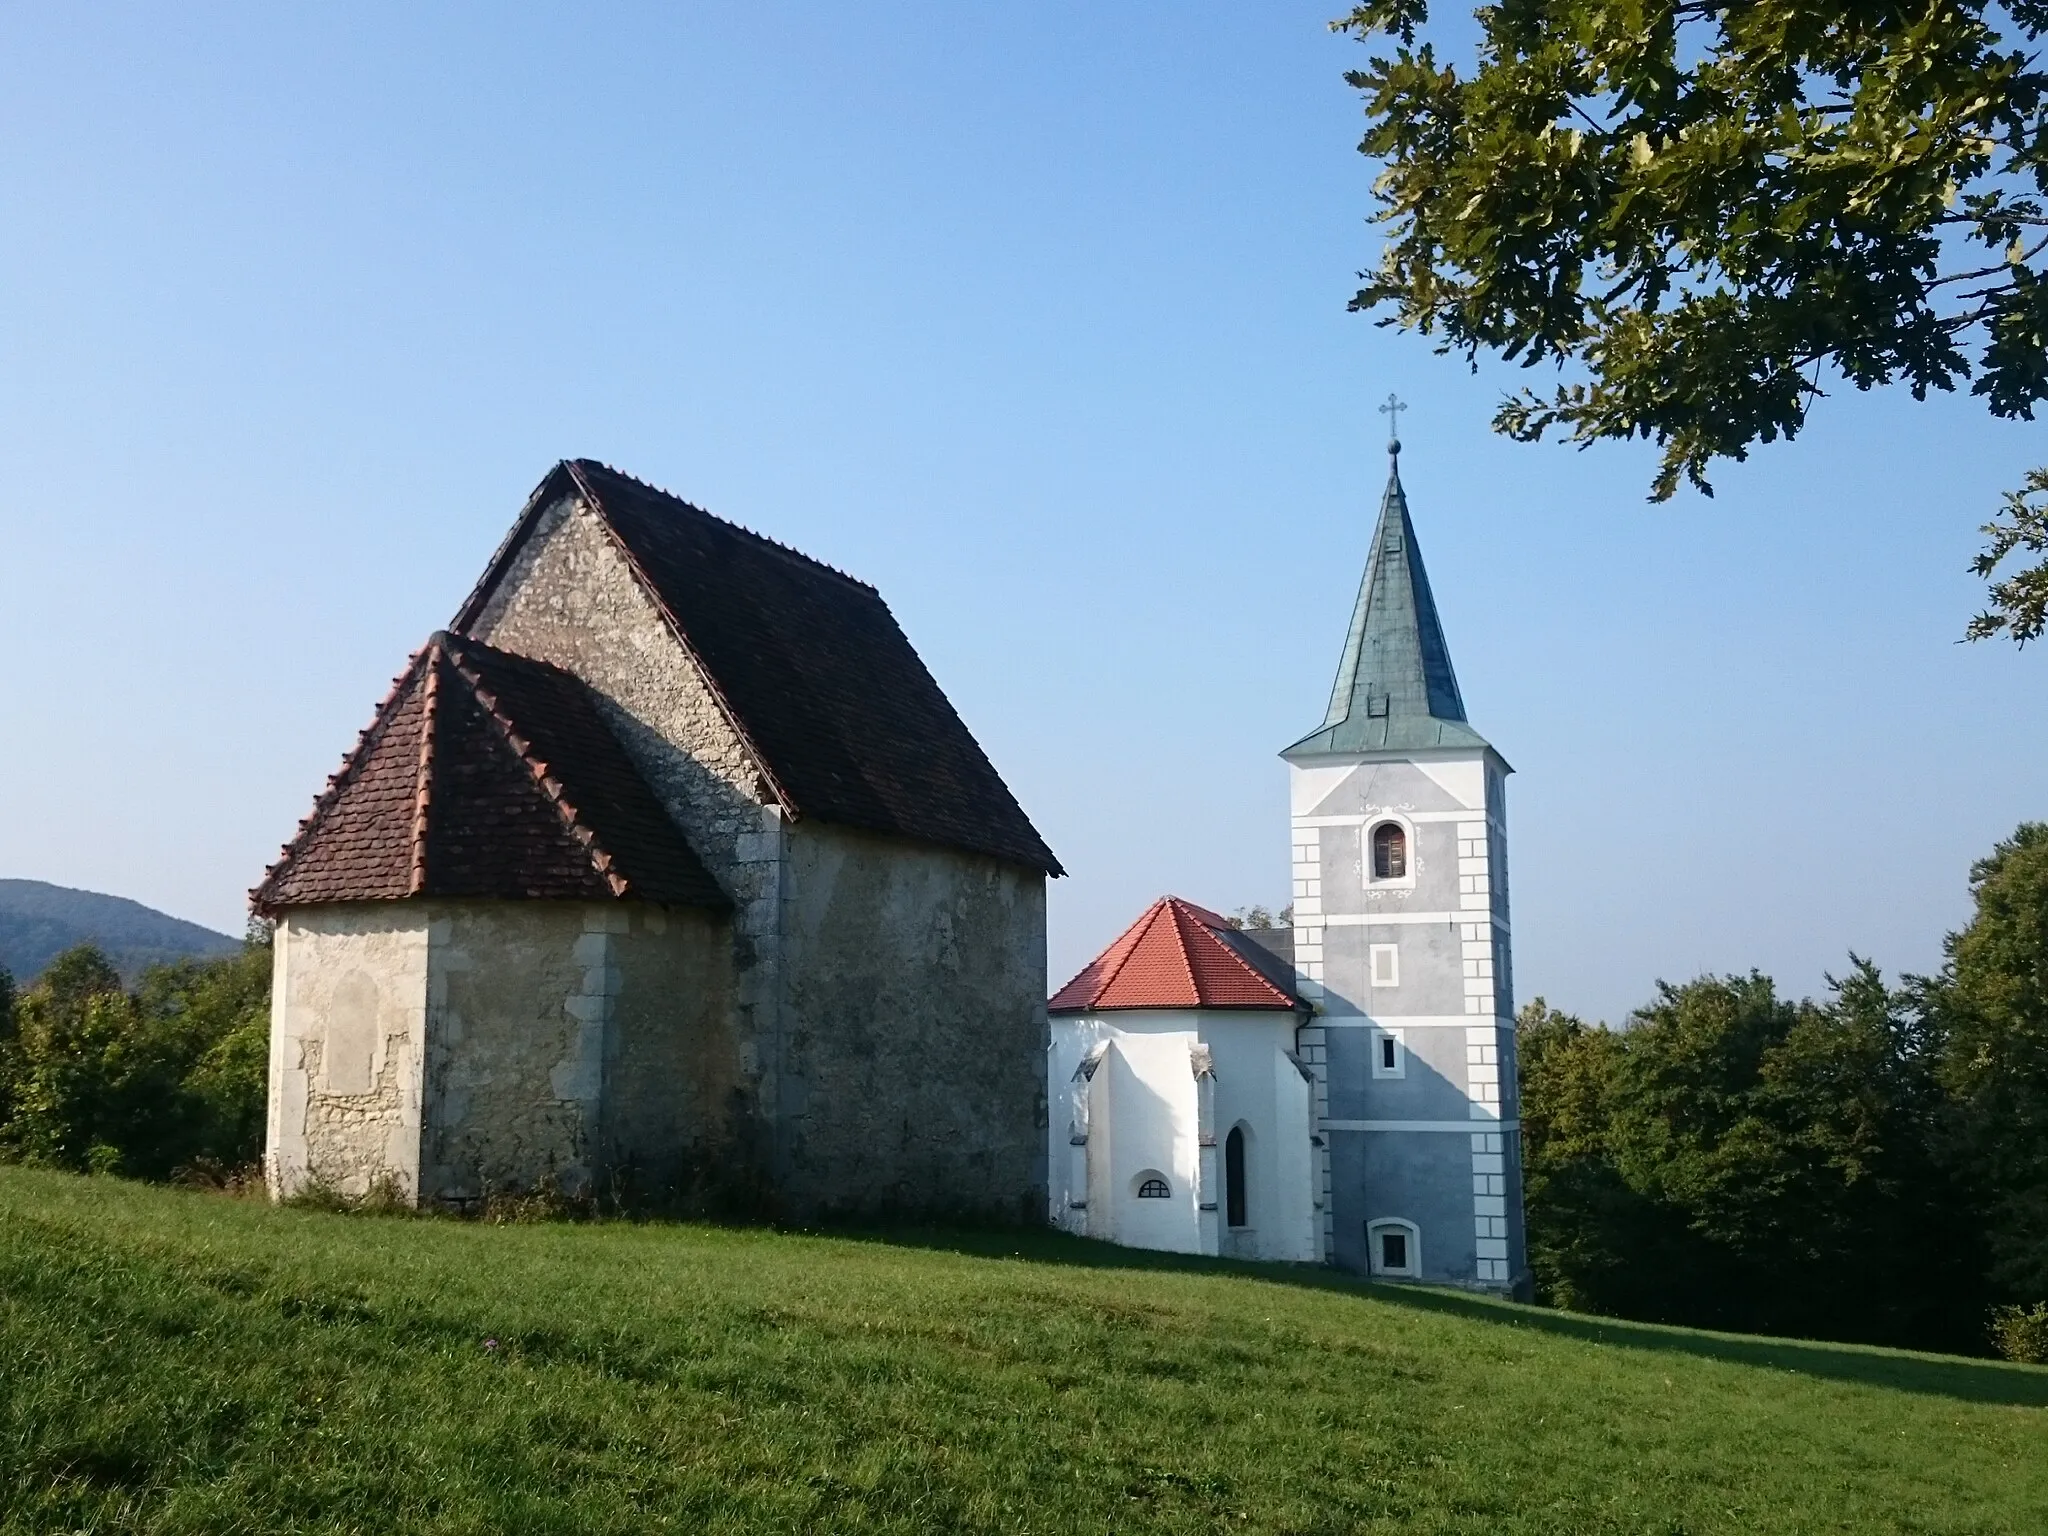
(668, 869)
(1340, 1090)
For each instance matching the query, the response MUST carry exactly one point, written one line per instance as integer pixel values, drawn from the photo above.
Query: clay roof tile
(1172, 957)
(809, 665)
(487, 775)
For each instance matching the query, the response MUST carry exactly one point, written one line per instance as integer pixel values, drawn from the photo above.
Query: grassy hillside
(184, 1362)
(38, 922)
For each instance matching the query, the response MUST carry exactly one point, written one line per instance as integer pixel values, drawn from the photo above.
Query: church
(665, 870)
(1342, 1090)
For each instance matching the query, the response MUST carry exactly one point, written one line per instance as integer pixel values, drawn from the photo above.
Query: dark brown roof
(811, 668)
(486, 774)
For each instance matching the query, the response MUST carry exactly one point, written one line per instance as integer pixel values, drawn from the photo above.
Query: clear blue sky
(1031, 315)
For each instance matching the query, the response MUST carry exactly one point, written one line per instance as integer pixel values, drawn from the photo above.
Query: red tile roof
(809, 665)
(486, 774)
(1178, 955)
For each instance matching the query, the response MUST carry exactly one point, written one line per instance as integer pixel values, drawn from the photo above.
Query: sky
(1033, 316)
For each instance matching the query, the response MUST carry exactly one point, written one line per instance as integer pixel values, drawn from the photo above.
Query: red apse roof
(1178, 955)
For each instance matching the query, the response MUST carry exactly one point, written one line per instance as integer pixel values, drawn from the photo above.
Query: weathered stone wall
(916, 1030)
(887, 999)
(675, 1098)
(515, 1059)
(571, 598)
(347, 1028)
(569, 1040)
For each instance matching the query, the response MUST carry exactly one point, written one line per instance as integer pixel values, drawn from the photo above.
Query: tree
(168, 1077)
(215, 1018)
(1732, 1157)
(1593, 1238)
(1710, 208)
(1990, 1006)
(78, 1082)
(1261, 919)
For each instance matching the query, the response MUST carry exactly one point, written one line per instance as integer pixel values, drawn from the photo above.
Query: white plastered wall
(347, 1029)
(1146, 1107)
(1127, 1096)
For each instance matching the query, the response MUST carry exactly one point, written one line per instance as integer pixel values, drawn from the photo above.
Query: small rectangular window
(1386, 964)
(1394, 1247)
(1389, 1055)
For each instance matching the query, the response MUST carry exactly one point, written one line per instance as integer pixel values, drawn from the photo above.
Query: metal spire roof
(1395, 689)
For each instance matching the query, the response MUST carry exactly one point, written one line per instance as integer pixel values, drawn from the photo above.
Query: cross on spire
(1392, 411)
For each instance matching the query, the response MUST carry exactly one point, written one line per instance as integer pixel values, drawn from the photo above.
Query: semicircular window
(1389, 852)
(1155, 1189)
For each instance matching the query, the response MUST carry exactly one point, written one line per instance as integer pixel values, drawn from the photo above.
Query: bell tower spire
(1395, 687)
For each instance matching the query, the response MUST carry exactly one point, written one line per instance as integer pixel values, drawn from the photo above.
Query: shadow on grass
(1950, 1376)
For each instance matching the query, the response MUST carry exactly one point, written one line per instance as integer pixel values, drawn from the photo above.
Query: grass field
(187, 1362)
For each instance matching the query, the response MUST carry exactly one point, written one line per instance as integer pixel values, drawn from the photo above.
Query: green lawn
(186, 1362)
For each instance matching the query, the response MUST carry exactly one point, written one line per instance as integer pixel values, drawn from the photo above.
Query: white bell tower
(1401, 936)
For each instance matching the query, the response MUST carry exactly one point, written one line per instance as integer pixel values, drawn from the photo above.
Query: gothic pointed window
(1389, 852)
(1233, 1176)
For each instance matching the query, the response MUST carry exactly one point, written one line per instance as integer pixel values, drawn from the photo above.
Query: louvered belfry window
(1389, 852)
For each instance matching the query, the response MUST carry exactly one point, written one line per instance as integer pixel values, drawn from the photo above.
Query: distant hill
(38, 922)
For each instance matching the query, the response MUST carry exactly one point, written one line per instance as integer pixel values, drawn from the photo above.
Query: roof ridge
(1181, 910)
(339, 780)
(550, 787)
(654, 594)
(787, 550)
(423, 779)
(1136, 934)
(1239, 960)
(1133, 934)
(1206, 917)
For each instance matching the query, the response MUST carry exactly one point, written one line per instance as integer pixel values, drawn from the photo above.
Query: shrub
(96, 1079)
(2021, 1333)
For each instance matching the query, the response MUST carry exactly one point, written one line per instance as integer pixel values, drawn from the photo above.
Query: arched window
(1233, 1176)
(1389, 852)
(1154, 1188)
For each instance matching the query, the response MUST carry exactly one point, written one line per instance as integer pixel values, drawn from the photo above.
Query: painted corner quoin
(1401, 935)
